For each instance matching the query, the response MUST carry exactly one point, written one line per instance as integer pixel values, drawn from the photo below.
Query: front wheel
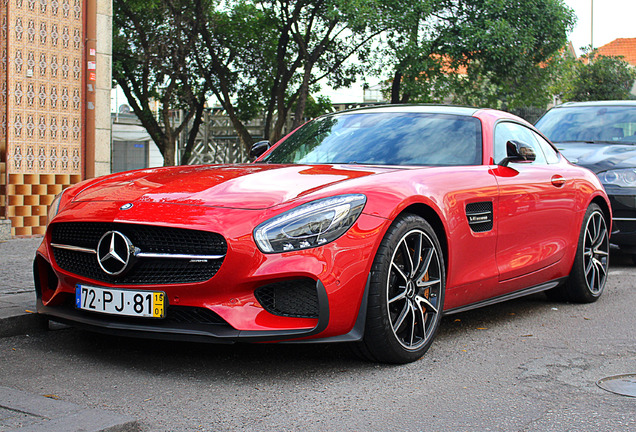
(406, 293)
(589, 272)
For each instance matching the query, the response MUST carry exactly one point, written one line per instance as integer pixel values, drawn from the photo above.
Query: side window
(550, 153)
(507, 131)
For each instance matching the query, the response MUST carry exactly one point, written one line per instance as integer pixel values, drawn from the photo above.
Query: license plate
(149, 304)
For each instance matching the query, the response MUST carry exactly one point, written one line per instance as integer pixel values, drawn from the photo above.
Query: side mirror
(259, 148)
(518, 152)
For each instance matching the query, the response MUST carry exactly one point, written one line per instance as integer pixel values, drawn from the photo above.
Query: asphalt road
(524, 365)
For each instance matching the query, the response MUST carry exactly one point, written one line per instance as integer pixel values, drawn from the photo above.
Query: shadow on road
(271, 360)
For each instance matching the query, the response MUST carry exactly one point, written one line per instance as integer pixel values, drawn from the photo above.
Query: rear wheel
(589, 272)
(406, 293)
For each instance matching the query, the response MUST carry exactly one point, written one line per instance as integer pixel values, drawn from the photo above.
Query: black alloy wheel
(591, 265)
(406, 293)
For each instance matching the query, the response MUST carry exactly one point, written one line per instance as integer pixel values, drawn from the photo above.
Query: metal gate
(217, 142)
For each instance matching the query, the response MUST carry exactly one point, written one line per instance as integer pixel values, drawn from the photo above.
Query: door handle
(558, 180)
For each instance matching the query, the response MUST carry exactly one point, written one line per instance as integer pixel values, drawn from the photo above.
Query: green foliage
(268, 55)
(317, 106)
(598, 78)
(153, 64)
(237, 53)
(482, 52)
(315, 41)
(265, 57)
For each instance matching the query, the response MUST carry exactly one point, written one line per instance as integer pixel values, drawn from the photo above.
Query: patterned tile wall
(41, 99)
(3, 108)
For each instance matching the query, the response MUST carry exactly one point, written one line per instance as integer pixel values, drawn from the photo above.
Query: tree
(318, 106)
(598, 78)
(253, 56)
(152, 63)
(268, 55)
(316, 39)
(233, 49)
(488, 51)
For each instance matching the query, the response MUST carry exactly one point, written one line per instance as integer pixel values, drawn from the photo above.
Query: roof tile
(625, 47)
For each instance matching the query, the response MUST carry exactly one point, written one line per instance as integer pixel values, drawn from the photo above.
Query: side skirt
(506, 297)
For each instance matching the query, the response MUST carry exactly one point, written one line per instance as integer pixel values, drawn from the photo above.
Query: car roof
(598, 103)
(437, 109)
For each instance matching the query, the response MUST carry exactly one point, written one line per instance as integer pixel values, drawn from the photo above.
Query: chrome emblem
(114, 253)
(126, 206)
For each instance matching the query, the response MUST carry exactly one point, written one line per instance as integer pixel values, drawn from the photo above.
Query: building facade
(55, 80)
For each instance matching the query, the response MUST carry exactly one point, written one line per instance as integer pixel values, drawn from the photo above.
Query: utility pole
(592, 25)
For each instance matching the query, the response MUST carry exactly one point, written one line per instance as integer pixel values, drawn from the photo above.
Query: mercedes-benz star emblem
(114, 253)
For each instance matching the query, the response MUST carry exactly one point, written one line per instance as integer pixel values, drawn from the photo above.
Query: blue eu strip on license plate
(148, 304)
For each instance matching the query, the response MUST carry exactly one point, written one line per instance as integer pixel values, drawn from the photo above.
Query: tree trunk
(169, 151)
(277, 133)
(395, 87)
(303, 94)
(244, 136)
(268, 119)
(192, 134)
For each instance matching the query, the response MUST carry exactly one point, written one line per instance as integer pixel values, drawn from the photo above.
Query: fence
(217, 142)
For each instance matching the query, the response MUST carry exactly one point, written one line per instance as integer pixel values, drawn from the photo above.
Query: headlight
(619, 177)
(54, 207)
(309, 225)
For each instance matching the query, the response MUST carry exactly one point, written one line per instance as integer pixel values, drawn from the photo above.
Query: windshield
(382, 138)
(607, 124)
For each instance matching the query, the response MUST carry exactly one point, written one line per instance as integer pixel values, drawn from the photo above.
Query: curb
(22, 324)
(23, 412)
(17, 314)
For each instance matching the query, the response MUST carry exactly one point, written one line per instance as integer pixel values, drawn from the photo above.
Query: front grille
(148, 239)
(181, 315)
(294, 298)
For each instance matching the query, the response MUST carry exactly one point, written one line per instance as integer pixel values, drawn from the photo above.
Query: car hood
(599, 157)
(248, 186)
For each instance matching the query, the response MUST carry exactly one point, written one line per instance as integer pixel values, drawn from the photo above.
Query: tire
(405, 299)
(588, 276)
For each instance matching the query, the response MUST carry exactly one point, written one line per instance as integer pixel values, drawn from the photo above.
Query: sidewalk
(17, 294)
(25, 412)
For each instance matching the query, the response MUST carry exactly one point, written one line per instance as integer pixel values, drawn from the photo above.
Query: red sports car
(362, 226)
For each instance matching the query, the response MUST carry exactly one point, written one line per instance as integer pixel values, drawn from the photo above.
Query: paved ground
(16, 285)
(524, 365)
(29, 412)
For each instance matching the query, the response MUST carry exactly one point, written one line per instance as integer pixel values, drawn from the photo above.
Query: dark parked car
(601, 136)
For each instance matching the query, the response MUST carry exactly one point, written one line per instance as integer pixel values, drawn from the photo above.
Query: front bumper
(217, 332)
(338, 269)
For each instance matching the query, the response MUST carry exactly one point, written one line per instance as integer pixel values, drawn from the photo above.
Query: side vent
(480, 216)
(292, 298)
